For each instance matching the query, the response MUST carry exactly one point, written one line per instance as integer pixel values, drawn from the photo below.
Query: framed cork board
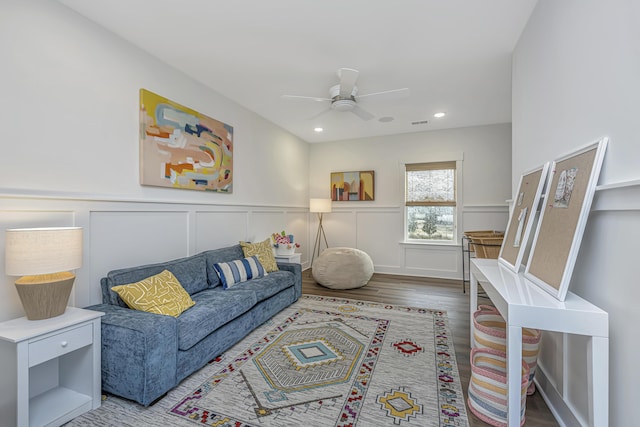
(526, 202)
(563, 217)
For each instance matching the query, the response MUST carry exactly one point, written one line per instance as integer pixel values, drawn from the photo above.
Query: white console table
(523, 304)
(51, 368)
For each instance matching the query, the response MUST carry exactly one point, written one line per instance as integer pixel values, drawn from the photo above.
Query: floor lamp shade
(43, 256)
(320, 205)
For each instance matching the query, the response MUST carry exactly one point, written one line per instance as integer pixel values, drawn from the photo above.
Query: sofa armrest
(139, 353)
(296, 269)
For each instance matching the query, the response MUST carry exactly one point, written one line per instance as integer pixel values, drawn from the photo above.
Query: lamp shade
(320, 205)
(35, 251)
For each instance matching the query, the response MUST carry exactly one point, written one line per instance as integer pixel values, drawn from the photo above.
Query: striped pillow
(238, 271)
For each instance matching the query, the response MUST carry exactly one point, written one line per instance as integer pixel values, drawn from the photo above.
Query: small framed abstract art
(526, 202)
(352, 186)
(181, 148)
(563, 217)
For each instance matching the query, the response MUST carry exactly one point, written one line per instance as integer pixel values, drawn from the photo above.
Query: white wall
(377, 227)
(69, 119)
(576, 75)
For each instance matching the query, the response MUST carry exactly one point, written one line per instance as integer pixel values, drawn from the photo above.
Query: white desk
(523, 304)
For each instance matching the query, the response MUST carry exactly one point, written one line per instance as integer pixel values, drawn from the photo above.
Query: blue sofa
(144, 355)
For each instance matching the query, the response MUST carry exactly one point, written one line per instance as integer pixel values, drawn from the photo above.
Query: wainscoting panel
(125, 239)
(339, 226)
(219, 229)
(433, 260)
(265, 222)
(377, 235)
(297, 223)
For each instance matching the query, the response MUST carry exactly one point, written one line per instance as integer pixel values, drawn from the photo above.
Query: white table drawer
(59, 344)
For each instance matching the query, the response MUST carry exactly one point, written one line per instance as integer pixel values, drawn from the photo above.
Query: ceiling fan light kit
(344, 96)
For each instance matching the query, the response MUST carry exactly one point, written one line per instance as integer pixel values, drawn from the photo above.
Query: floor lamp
(319, 206)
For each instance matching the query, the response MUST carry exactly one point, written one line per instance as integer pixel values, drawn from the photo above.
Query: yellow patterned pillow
(263, 251)
(160, 294)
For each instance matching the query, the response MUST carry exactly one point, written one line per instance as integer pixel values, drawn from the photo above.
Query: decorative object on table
(526, 203)
(488, 387)
(182, 148)
(319, 206)
(43, 257)
(343, 268)
(563, 218)
(352, 186)
(284, 243)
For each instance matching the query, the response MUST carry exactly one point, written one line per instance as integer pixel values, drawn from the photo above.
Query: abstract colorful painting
(346, 186)
(181, 148)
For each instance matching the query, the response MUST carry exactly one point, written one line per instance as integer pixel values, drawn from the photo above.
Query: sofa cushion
(214, 256)
(191, 272)
(214, 307)
(238, 271)
(160, 294)
(264, 251)
(268, 286)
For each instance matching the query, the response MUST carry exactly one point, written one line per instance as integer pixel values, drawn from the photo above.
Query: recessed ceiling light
(439, 115)
(318, 129)
(386, 119)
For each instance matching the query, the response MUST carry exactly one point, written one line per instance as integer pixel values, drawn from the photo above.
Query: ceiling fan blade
(387, 94)
(363, 114)
(313, 98)
(348, 79)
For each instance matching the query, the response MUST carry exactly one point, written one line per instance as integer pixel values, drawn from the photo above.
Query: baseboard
(560, 409)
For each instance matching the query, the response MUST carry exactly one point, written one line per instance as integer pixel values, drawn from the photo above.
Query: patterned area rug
(321, 362)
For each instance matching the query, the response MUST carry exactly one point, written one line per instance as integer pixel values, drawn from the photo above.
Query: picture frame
(526, 202)
(353, 186)
(563, 217)
(182, 148)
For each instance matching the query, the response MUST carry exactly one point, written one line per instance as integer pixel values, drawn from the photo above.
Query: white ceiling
(453, 55)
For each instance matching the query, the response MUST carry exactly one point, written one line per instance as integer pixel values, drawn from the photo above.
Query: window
(430, 201)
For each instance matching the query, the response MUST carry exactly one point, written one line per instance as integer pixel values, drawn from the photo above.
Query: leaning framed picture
(526, 202)
(563, 218)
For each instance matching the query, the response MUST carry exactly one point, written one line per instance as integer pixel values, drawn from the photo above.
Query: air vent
(420, 122)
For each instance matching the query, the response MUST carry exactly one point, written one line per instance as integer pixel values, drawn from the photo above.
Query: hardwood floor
(442, 295)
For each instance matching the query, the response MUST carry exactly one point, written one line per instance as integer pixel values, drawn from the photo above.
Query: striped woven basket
(489, 330)
(488, 387)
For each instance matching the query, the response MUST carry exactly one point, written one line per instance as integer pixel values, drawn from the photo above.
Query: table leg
(473, 304)
(598, 363)
(514, 374)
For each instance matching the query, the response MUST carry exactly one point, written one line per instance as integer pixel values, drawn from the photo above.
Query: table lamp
(319, 206)
(43, 257)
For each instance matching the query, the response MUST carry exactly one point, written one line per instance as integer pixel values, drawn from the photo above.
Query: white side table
(51, 371)
(293, 258)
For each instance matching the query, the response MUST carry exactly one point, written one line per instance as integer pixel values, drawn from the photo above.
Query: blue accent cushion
(238, 271)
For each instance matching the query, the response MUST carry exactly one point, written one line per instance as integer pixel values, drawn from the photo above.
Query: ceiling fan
(344, 96)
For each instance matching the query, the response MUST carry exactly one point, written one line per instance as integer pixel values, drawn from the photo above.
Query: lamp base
(45, 296)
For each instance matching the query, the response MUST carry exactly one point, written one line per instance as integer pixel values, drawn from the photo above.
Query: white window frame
(457, 223)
